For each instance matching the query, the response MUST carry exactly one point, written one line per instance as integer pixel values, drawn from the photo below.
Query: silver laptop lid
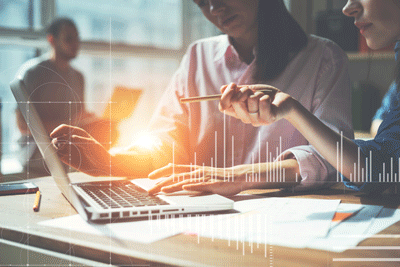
(43, 142)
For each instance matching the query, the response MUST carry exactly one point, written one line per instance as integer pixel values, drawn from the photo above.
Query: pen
(211, 97)
(37, 201)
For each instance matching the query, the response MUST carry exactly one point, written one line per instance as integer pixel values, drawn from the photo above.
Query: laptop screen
(43, 142)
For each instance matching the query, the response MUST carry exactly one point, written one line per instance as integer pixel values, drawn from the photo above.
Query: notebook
(106, 200)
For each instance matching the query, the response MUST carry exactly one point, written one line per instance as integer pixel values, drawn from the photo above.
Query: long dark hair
(280, 38)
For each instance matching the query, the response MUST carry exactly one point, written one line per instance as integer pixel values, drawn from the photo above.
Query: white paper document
(349, 233)
(145, 231)
(290, 222)
(283, 217)
(368, 222)
(280, 221)
(138, 231)
(306, 227)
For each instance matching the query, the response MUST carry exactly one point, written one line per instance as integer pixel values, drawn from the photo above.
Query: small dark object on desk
(18, 188)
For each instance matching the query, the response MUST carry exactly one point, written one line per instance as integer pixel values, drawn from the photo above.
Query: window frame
(37, 38)
(32, 37)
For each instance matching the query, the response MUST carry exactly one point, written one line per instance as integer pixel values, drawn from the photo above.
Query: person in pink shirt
(368, 166)
(261, 43)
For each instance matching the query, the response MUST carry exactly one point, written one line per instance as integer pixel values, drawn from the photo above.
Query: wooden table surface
(19, 223)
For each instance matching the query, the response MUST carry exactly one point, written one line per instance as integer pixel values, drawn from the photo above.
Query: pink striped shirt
(198, 133)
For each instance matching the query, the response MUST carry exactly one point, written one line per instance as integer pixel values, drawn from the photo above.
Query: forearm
(327, 142)
(269, 175)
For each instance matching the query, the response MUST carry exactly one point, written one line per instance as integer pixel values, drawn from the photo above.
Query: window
(200, 27)
(19, 14)
(11, 58)
(140, 22)
(147, 42)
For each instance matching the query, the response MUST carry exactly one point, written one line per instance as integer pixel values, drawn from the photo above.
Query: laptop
(111, 199)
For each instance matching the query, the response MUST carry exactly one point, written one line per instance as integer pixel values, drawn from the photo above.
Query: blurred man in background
(57, 91)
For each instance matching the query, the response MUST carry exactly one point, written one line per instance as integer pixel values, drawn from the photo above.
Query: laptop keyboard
(120, 194)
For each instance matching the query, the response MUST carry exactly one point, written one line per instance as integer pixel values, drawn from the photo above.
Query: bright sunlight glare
(147, 141)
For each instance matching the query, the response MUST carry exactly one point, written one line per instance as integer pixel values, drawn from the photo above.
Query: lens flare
(147, 141)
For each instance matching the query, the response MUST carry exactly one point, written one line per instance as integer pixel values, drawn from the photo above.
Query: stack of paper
(291, 222)
(277, 221)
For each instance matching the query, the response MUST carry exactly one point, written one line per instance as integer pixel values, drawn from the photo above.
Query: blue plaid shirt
(385, 147)
(388, 102)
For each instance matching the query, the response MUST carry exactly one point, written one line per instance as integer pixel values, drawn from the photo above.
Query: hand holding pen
(257, 104)
(266, 89)
(252, 106)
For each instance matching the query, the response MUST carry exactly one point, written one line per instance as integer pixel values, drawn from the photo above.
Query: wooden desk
(19, 225)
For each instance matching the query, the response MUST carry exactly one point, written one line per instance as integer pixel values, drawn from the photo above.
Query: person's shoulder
(321, 41)
(323, 50)
(328, 47)
(212, 43)
(31, 66)
(213, 40)
(77, 72)
(208, 49)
